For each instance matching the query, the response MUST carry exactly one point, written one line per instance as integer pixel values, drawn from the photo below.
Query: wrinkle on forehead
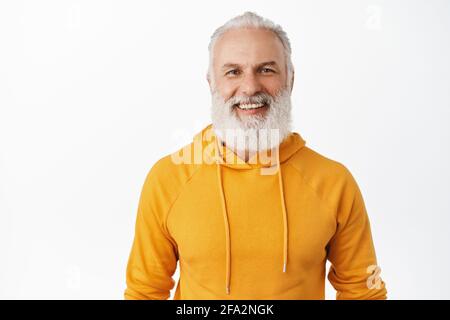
(248, 46)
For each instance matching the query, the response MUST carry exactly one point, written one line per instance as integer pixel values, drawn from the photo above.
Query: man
(248, 210)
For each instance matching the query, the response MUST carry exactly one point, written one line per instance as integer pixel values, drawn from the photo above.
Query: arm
(353, 271)
(153, 257)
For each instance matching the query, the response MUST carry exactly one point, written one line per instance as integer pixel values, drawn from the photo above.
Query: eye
(266, 70)
(232, 72)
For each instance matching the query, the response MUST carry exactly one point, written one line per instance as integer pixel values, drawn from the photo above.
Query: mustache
(261, 98)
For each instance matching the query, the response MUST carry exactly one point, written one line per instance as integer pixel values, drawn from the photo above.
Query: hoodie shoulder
(171, 171)
(165, 181)
(331, 180)
(308, 161)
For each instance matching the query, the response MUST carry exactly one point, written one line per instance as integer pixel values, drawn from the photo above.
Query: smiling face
(248, 63)
(249, 89)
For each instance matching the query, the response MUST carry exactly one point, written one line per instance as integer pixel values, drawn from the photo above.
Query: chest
(197, 221)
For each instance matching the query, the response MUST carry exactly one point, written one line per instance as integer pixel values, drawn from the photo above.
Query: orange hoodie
(251, 230)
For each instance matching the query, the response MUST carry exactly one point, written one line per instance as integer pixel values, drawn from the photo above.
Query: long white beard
(254, 133)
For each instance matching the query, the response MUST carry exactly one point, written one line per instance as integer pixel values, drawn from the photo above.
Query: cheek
(226, 90)
(273, 85)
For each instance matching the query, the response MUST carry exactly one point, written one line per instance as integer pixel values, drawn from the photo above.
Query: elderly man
(248, 210)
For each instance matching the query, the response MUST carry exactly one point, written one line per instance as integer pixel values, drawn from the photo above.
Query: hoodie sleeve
(354, 272)
(153, 258)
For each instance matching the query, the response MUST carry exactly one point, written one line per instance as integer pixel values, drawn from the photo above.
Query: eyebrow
(235, 65)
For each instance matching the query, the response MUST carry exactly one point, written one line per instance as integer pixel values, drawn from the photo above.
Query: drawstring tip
(284, 267)
(228, 290)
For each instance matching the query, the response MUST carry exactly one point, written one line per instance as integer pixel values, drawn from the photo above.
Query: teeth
(250, 106)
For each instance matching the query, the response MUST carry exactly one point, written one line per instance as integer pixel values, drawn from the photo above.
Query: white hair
(252, 20)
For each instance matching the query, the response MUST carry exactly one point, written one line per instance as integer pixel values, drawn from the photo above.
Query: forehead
(248, 46)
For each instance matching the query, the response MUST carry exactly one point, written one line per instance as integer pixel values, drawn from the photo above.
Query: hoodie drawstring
(226, 222)
(227, 232)
(283, 208)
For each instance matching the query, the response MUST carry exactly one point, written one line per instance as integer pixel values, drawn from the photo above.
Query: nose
(250, 85)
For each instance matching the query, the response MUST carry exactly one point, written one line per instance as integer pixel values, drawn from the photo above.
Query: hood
(269, 162)
(213, 150)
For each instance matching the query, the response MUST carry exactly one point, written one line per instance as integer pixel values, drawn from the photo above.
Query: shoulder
(171, 171)
(163, 184)
(331, 179)
(313, 165)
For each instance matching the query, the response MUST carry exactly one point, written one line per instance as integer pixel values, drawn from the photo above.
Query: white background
(92, 93)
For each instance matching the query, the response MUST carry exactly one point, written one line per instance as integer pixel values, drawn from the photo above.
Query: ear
(208, 78)
(292, 81)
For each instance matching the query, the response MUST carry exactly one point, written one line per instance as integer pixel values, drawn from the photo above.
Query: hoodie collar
(209, 141)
